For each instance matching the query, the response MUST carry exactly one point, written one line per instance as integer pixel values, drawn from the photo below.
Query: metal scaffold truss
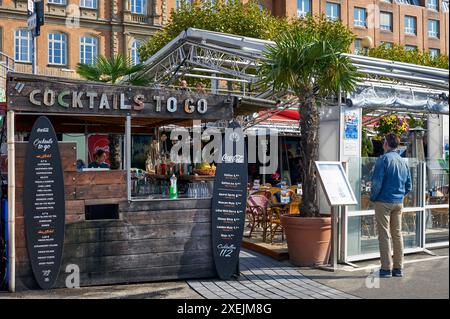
(235, 60)
(204, 61)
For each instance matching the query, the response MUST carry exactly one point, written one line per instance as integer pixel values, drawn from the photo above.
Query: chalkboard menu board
(229, 203)
(43, 201)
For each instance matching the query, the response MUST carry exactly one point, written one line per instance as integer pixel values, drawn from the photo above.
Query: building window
(88, 49)
(388, 45)
(333, 11)
(303, 7)
(188, 2)
(89, 4)
(434, 52)
(433, 28)
(358, 46)
(57, 48)
(410, 25)
(139, 6)
(433, 4)
(135, 53)
(61, 2)
(410, 48)
(386, 21)
(412, 2)
(445, 6)
(22, 45)
(360, 17)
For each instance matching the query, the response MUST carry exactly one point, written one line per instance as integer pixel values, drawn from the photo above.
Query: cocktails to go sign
(49, 95)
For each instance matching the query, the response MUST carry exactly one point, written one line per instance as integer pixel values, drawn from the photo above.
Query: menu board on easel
(229, 203)
(44, 203)
(336, 184)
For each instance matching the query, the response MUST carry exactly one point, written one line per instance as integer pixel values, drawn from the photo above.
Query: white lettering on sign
(43, 144)
(232, 158)
(172, 104)
(105, 101)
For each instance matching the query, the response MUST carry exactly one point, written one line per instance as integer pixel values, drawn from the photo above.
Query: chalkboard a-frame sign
(44, 203)
(229, 203)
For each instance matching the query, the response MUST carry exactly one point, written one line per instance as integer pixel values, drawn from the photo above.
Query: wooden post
(128, 154)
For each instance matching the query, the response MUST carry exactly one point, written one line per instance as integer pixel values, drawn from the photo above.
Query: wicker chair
(257, 212)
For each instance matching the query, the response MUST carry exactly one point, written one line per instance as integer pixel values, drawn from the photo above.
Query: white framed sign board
(336, 184)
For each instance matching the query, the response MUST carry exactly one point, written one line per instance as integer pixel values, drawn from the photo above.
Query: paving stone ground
(264, 278)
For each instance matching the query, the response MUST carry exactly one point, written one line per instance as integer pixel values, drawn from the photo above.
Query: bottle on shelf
(173, 190)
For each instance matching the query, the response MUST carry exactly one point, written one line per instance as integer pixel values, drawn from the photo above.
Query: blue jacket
(391, 180)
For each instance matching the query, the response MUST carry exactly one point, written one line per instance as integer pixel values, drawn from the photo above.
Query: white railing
(6, 64)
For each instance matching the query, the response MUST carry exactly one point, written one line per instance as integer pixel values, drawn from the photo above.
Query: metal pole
(334, 236)
(34, 68)
(11, 203)
(128, 154)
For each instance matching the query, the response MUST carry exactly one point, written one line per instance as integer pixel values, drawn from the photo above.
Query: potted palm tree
(112, 70)
(308, 62)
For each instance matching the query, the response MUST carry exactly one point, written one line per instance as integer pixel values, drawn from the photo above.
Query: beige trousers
(389, 227)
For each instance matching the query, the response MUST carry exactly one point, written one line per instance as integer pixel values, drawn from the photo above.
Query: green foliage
(111, 70)
(414, 122)
(366, 145)
(234, 18)
(308, 59)
(399, 53)
(391, 124)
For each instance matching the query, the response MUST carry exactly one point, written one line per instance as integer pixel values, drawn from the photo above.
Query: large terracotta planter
(308, 239)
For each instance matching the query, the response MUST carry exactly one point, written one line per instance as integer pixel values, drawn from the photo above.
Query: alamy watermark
(261, 146)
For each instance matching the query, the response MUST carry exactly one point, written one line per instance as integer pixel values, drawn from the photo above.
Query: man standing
(391, 181)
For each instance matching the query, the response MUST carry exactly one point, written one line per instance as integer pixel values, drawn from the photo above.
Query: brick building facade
(79, 30)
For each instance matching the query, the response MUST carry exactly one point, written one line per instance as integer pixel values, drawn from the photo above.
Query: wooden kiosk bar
(147, 239)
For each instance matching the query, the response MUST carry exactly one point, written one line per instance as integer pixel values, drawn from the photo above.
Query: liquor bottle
(173, 192)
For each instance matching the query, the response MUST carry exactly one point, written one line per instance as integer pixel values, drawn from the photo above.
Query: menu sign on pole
(43, 201)
(336, 184)
(229, 203)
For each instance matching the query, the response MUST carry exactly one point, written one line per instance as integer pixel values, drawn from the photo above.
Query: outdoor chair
(256, 212)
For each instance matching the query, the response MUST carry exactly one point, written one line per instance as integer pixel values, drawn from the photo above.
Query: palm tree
(308, 62)
(111, 70)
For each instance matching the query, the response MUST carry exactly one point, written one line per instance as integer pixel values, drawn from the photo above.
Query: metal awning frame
(212, 55)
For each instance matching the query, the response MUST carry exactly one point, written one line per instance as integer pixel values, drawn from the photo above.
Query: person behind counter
(99, 160)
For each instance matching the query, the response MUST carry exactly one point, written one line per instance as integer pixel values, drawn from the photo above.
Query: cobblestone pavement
(264, 278)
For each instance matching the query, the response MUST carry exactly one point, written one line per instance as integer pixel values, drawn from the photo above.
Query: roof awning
(208, 55)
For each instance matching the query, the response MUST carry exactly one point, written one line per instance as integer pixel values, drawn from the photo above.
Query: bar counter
(142, 241)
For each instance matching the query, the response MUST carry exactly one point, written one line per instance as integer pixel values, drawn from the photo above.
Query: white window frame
(134, 51)
(93, 44)
(58, 2)
(410, 47)
(358, 48)
(357, 19)
(433, 33)
(143, 7)
(334, 15)
(436, 53)
(51, 50)
(433, 5)
(301, 7)
(88, 4)
(389, 27)
(410, 30)
(18, 40)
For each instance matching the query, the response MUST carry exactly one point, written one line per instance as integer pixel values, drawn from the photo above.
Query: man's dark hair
(392, 140)
(99, 153)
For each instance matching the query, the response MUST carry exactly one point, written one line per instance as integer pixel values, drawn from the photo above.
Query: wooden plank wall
(151, 241)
